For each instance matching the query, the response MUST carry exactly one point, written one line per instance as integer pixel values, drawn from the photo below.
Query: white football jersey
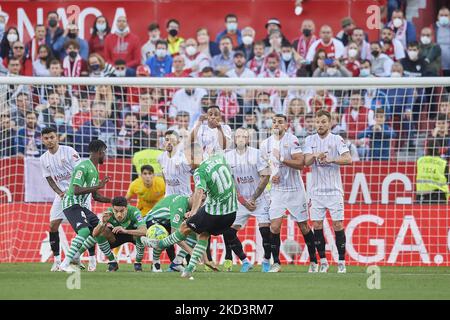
(246, 168)
(208, 139)
(290, 179)
(325, 178)
(177, 173)
(60, 165)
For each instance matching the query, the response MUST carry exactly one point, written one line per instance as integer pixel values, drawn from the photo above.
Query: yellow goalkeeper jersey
(147, 196)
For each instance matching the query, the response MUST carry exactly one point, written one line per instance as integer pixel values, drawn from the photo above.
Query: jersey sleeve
(200, 179)
(131, 189)
(307, 148)
(79, 175)
(341, 145)
(295, 146)
(74, 158)
(262, 164)
(45, 172)
(137, 217)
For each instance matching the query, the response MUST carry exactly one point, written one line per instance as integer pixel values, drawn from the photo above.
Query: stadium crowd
(375, 122)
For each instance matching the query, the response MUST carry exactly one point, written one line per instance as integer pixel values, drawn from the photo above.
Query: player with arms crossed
(85, 181)
(326, 152)
(251, 174)
(57, 165)
(283, 152)
(175, 170)
(212, 177)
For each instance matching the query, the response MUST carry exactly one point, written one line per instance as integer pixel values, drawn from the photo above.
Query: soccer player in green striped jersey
(85, 181)
(212, 178)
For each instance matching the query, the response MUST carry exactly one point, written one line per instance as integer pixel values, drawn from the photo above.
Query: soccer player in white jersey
(326, 152)
(282, 150)
(213, 136)
(175, 170)
(57, 164)
(251, 173)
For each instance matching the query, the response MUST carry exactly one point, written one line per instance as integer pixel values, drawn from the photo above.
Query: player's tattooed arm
(55, 188)
(297, 162)
(261, 187)
(343, 159)
(98, 230)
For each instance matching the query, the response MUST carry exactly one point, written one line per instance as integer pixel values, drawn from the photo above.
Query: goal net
(387, 123)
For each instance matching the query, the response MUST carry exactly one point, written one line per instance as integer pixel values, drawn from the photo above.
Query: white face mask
(263, 106)
(352, 53)
(425, 40)
(268, 123)
(413, 54)
(12, 37)
(396, 75)
(161, 53)
(126, 30)
(190, 50)
(120, 73)
(247, 40)
(286, 56)
(444, 20)
(331, 71)
(100, 27)
(397, 22)
(364, 72)
(232, 26)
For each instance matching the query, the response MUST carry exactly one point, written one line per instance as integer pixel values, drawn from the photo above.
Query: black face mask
(173, 32)
(73, 54)
(307, 32)
(52, 23)
(375, 53)
(72, 35)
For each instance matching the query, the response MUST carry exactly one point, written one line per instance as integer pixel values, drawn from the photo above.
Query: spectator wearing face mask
(161, 63)
(231, 30)
(413, 64)
(193, 59)
(121, 69)
(392, 47)
(365, 69)
(19, 53)
(332, 46)
(71, 33)
(276, 41)
(53, 32)
(9, 37)
(173, 39)
(291, 61)
(122, 44)
(443, 38)
(381, 63)
(352, 60)
(331, 68)
(100, 30)
(431, 52)
(97, 66)
(306, 39)
(64, 130)
(73, 64)
(404, 30)
(148, 49)
(205, 46)
(248, 40)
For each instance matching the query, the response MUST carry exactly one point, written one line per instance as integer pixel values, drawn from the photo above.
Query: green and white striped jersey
(85, 174)
(215, 178)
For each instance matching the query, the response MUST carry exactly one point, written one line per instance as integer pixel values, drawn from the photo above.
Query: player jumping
(251, 173)
(326, 152)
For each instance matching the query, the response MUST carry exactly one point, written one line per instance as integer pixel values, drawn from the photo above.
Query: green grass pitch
(35, 281)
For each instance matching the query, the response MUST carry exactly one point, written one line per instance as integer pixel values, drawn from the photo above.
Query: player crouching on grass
(326, 152)
(121, 223)
(212, 177)
(85, 181)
